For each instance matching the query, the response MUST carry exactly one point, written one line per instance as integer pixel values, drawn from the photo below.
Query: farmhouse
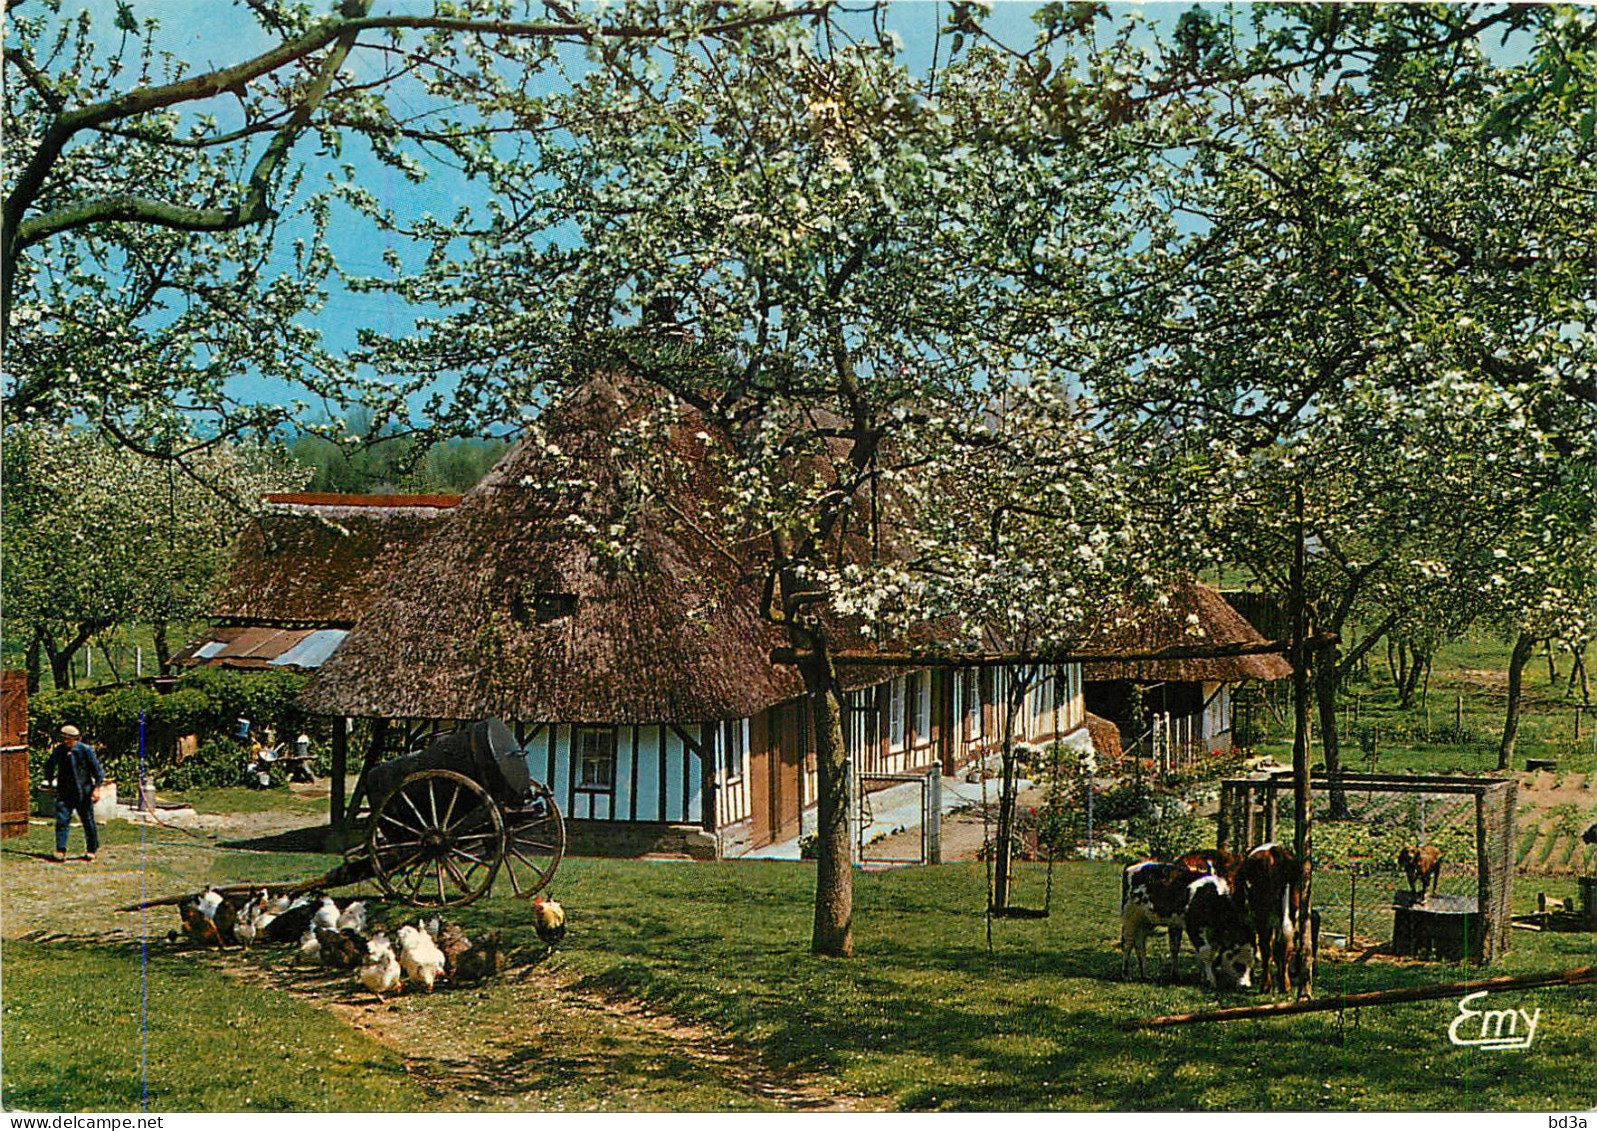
(302, 573)
(1186, 703)
(640, 680)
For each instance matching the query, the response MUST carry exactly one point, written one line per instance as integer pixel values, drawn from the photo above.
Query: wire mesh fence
(1360, 886)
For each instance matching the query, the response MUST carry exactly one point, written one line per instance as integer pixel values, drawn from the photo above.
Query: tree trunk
(1524, 647)
(1552, 664)
(60, 662)
(1302, 810)
(163, 650)
(1003, 849)
(833, 930)
(1578, 671)
(1325, 682)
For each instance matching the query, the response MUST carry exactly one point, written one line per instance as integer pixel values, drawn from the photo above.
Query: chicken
(226, 919)
(198, 926)
(310, 948)
(250, 915)
(281, 904)
(338, 949)
(208, 903)
(548, 919)
(262, 922)
(292, 923)
(453, 942)
(380, 971)
(326, 915)
(420, 957)
(484, 959)
(353, 917)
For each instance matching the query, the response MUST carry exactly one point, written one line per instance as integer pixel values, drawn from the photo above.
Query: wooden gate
(14, 754)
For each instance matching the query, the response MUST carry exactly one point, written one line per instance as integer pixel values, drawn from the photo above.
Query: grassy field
(923, 1017)
(1458, 724)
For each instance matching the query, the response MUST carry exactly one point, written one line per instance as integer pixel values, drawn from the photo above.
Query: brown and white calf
(1211, 862)
(1264, 885)
(1217, 925)
(1421, 865)
(1153, 894)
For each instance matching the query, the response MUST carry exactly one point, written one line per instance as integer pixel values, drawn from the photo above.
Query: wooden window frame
(728, 731)
(579, 758)
(897, 720)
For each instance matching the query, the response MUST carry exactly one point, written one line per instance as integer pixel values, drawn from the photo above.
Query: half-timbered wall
(656, 777)
(731, 752)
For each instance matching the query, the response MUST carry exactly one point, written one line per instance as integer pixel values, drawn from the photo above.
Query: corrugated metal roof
(313, 650)
(305, 648)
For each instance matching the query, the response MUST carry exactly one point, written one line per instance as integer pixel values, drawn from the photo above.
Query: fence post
(850, 812)
(934, 817)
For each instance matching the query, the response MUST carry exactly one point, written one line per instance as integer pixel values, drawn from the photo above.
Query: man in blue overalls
(78, 777)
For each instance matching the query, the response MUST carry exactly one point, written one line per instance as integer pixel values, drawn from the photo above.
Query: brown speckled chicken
(342, 950)
(485, 959)
(453, 942)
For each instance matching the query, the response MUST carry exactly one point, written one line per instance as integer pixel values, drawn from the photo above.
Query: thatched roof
(1105, 740)
(513, 611)
(1150, 628)
(317, 560)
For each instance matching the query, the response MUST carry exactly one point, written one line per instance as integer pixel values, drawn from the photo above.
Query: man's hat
(70, 731)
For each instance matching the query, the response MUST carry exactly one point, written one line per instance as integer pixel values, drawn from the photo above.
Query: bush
(207, 702)
(218, 762)
(1122, 802)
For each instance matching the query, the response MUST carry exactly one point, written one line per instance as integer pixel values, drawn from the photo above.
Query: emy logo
(1499, 1029)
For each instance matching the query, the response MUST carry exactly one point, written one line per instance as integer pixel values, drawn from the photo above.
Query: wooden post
(340, 768)
(707, 772)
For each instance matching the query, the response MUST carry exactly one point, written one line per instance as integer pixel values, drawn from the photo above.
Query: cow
(1153, 894)
(1211, 862)
(1421, 865)
(1217, 925)
(1265, 886)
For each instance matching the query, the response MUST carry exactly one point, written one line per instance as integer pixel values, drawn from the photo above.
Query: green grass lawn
(73, 1039)
(923, 1017)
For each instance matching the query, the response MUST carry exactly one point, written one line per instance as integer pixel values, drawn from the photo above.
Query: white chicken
(420, 957)
(309, 949)
(326, 915)
(380, 972)
(353, 917)
(209, 902)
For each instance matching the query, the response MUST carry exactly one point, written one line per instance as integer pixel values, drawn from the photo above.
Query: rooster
(420, 957)
(380, 971)
(548, 919)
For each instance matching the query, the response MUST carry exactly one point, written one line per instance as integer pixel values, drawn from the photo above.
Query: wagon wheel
(436, 840)
(535, 840)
